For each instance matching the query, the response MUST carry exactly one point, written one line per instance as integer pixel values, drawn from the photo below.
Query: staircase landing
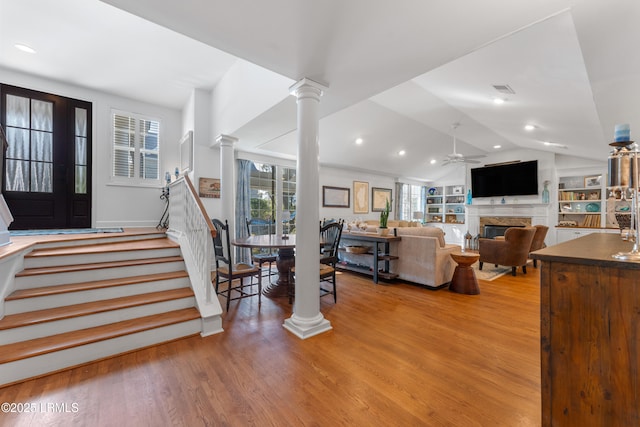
(20, 243)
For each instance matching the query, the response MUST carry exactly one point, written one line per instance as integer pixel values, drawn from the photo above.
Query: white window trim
(135, 181)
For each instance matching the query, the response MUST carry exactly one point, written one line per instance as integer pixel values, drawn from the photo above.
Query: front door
(47, 174)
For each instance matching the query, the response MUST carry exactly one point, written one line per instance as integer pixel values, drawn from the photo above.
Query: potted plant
(384, 217)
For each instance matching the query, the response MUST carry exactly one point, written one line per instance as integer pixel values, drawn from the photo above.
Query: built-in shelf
(580, 201)
(445, 204)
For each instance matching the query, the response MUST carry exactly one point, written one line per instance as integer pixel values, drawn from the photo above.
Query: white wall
(207, 165)
(245, 91)
(334, 177)
(113, 205)
(196, 116)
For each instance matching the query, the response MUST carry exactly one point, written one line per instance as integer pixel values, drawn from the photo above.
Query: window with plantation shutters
(136, 148)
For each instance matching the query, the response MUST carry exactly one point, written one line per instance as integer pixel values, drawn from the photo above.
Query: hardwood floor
(397, 355)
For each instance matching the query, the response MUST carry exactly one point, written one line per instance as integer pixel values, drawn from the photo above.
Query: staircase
(81, 301)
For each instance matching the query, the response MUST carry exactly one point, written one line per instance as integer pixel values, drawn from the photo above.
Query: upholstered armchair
(538, 240)
(512, 251)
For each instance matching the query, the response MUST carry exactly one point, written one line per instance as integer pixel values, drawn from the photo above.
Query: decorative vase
(383, 231)
(545, 192)
(469, 198)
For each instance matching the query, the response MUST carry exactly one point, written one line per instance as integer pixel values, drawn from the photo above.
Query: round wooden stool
(464, 278)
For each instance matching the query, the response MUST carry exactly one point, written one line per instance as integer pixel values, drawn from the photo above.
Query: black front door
(47, 174)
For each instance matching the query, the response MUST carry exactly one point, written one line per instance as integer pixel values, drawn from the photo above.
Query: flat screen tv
(512, 179)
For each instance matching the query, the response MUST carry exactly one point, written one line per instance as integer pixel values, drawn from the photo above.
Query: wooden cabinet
(570, 233)
(589, 333)
(566, 234)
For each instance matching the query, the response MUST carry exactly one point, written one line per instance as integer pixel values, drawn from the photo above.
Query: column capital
(225, 140)
(307, 88)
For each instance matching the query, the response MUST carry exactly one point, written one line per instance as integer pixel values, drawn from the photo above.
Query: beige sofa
(423, 256)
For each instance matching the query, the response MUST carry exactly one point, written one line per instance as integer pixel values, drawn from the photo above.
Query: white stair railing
(190, 225)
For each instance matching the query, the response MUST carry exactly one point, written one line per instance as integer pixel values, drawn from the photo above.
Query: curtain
(243, 207)
(398, 202)
(423, 202)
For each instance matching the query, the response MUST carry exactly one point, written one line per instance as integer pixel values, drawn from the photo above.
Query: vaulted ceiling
(399, 73)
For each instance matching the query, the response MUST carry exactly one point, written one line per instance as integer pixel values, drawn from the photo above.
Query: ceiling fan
(456, 157)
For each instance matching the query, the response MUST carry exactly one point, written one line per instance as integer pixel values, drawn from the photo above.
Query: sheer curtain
(397, 204)
(243, 207)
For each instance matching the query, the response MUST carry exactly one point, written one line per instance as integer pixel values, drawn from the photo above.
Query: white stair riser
(90, 258)
(98, 319)
(98, 240)
(79, 297)
(51, 362)
(37, 281)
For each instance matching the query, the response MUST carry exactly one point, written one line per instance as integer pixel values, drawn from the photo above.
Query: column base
(305, 328)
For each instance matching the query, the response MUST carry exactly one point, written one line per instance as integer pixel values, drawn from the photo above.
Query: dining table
(285, 260)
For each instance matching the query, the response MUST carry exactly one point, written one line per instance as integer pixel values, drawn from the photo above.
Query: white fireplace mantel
(538, 212)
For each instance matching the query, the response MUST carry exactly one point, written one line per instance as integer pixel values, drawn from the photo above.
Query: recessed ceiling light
(24, 48)
(433, 161)
(402, 153)
(497, 146)
(529, 128)
(498, 101)
(359, 141)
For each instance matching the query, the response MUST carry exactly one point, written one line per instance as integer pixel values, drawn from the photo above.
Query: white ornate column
(227, 168)
(306, 320)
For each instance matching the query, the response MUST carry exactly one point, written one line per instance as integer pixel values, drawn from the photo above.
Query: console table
(589, 333)
(379, 242)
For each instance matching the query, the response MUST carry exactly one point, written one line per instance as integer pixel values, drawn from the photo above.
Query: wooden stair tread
(98, 284)
(39, 346)
(76, 310)
(95, 266)
(124, 246)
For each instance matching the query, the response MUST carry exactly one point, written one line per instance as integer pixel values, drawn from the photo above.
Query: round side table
(464, 278)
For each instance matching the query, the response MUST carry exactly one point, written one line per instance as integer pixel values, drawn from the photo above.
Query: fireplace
(491, 231)
(508, 214)
(491, 226)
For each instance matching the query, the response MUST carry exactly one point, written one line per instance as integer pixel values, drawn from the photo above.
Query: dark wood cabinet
(589, 333)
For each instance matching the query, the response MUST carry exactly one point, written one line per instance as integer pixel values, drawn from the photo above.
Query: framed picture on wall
(592, 181)
(209, 188)
(379, 197)
(335, 197)
(360, 197)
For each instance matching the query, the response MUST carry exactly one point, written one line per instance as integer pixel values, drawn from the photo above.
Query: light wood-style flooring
(398, 355)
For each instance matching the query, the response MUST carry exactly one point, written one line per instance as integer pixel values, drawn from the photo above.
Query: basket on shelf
(357, 249)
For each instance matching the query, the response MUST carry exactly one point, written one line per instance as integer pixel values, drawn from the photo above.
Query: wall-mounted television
(510, 179)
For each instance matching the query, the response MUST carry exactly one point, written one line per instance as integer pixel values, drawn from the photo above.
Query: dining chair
(228, 272)
(262, 256)
(330, 235)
